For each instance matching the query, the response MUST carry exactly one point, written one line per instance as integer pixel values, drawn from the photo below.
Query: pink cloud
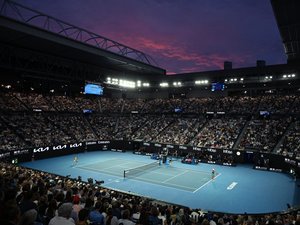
(171, 73)
(181, 54)
(189, 69)
(167, 54)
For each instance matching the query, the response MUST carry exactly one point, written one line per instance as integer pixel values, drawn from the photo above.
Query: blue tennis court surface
(234, 190)
(164, 175)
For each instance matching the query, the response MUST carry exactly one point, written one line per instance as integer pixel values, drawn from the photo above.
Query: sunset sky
(181, 35)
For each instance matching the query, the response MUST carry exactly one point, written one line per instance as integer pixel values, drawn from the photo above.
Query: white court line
(119, 165)
(182, 186)
(179, 169)
(159, 183)
(174, 176)
(85, 164)
(113, 181)
(100, 171)
(206, 183)
(155, 172)
(105, 161)
(148, 180)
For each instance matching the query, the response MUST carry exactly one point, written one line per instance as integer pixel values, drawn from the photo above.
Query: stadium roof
(288, 20)
(25, 28)
(261, 71)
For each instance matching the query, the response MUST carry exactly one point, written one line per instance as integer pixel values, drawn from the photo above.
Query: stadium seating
(34, 120)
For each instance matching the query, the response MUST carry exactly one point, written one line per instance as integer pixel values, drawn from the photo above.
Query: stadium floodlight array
(133, 172)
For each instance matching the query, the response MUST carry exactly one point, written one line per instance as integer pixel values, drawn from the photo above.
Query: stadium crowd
(219, 133)
(153, 127)
(128, 125)
(29, 197)
(290, 144)
(264, 134)
(181, 131)
(245, 104)
(33, 120)
(203, 105)
(36, 129)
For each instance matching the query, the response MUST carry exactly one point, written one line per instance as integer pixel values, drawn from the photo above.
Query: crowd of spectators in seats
(296, 106)
(129, 125)
(29, 197)
(264, 134)
(181, 131)
(63, 103)
(204, 105)
(61, 121)
(219, 133)
(104, 126)
(112, 105)
(157, 106)
(9, 140)
(75, 126)
(8, 102)
(133, 105)
(276, 104)
(88, 103)
(34, 101)
(153, 127)
(245, 105)
(36, 129)
(290, 143)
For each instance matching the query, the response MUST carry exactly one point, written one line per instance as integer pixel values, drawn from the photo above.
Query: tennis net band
(134, 171)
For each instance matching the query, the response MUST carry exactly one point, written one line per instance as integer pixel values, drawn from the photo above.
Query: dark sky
(181, 35)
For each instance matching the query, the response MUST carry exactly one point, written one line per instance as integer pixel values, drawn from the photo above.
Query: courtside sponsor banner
(21, 152)
(58, 147)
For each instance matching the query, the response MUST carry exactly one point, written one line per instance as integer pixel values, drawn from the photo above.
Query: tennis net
(135, 171)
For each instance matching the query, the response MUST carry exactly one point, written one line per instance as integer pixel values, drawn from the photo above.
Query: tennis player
(160, 158)
(75, 160)
(213, 174)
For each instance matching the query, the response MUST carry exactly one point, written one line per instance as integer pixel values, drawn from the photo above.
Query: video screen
(87, 111)
(93, 89)
(264, 113)
(178, 110)
(217, 86)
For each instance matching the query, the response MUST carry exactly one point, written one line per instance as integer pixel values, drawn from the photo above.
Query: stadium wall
(261, 161)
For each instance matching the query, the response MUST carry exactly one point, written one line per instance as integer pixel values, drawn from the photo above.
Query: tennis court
(165, 175)
(235, 190)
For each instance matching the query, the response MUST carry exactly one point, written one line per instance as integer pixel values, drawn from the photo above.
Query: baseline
(206, 183)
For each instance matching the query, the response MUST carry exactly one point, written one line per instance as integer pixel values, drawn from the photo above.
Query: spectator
(10, 215)
(125, 220)
(50, 211)
(110, 219)
(64, 215)
(95, 215)
(83, 216)
(153, 217)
